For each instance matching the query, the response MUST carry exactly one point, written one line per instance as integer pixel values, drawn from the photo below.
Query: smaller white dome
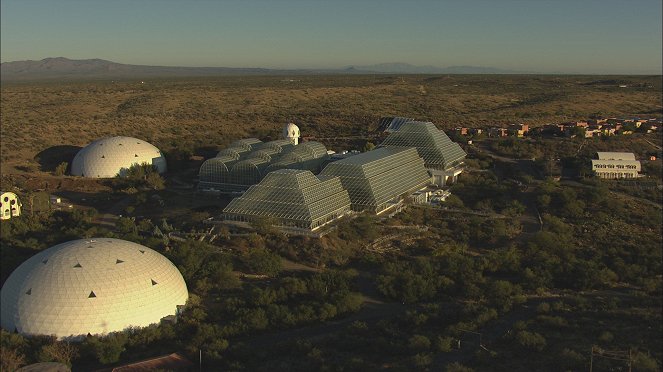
(108, 157)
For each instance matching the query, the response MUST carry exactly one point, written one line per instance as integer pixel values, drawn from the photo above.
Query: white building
(291, 132)
(112, 156)
(613, 165)
(10, 205)
(91, 286)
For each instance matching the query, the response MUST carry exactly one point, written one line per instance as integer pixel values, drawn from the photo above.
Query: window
(91, 295)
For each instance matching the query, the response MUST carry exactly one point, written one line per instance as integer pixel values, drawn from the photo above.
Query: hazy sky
(569, 36)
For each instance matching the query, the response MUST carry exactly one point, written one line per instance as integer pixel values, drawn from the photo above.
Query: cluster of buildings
(512, 130)
(93, 286)
(102, 285)
(587, 128)
(600, 127)
(306, 192)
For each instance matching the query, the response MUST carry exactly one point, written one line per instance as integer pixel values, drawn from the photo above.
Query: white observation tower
(291, 132)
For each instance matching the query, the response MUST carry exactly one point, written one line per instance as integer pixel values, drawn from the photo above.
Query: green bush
(61, 168)
(531, 340)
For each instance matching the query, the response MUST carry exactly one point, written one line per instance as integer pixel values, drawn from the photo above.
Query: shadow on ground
(51, 157)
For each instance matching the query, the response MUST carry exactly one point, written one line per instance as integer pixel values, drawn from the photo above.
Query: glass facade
(432, 144)
(293, 198)
(376, 179)
(247, 161)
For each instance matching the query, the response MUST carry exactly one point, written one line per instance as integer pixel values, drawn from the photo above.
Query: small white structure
(91, 286)
(613, 165)
(10, 205)
(112, 156)
(291, 132)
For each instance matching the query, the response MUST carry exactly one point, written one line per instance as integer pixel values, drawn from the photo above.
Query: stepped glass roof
(432, 144)
(292, 197)
(376, 178)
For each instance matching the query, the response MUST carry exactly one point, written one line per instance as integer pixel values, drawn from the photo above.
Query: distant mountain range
(406, 68)
(64, 68)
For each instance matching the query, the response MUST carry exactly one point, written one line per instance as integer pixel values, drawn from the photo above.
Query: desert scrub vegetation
(213, 111)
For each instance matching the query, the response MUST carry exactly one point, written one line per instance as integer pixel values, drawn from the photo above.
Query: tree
(61, 168)
(59, 351)
(578, 132)
(644, 362)
(444, 344)
(107, 349)
(262, 261)
(457, 367)
(419, 343)
(369, 146)
(155, 181)
(10, 359)
(126, 225)
(531, 340)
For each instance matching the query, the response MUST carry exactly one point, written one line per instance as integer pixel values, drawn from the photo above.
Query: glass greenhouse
(247, 161)
(392, 124)
(292, 198)
(432, 144)
(377, 179)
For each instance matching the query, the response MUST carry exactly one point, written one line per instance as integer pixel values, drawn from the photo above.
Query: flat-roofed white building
(612, 165)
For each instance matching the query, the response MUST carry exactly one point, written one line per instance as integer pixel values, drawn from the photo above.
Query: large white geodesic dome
(108, 157)
(91, 286)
